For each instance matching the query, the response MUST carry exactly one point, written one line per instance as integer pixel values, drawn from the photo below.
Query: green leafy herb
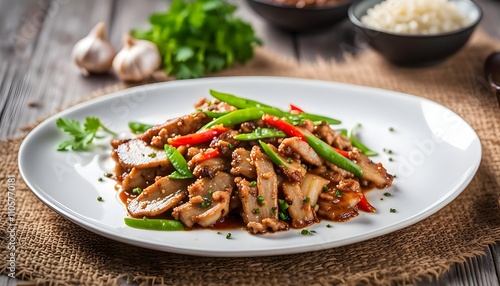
(137, 191)
(307, 232)
(260, 200)
(99, 199)
(387, 194)
(83, 134)
(228, 235)
(206, 203)
(152, 155)
(198, 37)
(338, 193)
(138, 127)
(306, 200)
(392, 210)
(253, 183)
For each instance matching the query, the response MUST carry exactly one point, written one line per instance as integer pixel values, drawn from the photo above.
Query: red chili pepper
(364, 205)
(205, 155)
(295, 108)
(283, 125)
(342, 152)
(197, 138)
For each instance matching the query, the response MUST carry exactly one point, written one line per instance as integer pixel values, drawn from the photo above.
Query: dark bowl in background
(415, 50)
(295, 19)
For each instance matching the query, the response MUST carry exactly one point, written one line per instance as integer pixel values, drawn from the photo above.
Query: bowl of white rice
(415, 32)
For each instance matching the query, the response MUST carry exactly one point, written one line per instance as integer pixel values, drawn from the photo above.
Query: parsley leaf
(83, 134)
(200, 36)
(138, 127)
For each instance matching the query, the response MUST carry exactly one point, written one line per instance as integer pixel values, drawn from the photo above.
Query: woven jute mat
(52, 250)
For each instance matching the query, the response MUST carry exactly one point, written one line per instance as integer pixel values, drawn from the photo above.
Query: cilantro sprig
(83, 134)
(200, 36)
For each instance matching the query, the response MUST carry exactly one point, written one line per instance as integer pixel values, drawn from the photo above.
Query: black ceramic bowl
(296, 19)
(415, 50)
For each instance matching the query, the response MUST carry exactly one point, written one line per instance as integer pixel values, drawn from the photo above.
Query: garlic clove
(94, 54)
(137, 60)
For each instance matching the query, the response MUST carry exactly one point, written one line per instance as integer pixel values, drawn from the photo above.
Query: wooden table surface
(37, 77)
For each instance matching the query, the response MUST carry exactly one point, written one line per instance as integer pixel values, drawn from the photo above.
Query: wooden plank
(48, 77)
(480, 270)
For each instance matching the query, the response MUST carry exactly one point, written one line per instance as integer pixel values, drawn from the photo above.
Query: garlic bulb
(94, 53)
(137, 60)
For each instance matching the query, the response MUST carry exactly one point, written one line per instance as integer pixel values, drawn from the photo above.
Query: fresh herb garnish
(138, 127)
(99, 199)
(392, 210)
(260, 200)
(228, 235)
(307, 232)
(137, 191)
(83, 134)
(206, 203)
(306, 200)
(253, 183)
(197, 37)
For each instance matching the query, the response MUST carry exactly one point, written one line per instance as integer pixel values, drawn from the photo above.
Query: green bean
(364, 149)
(260, 133)
(236, 101)
(242, 115)
(328, 153)
(154, 224)
(179, 163)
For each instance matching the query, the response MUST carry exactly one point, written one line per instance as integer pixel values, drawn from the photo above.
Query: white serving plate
(435, 156)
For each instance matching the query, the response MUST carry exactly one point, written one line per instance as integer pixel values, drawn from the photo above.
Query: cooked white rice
(415, 17)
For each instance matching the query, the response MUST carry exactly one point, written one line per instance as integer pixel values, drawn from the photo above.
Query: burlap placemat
(52, 250)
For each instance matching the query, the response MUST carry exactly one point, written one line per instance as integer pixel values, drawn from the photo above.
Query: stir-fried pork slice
(292, 145)
(340, 203)
(242, 164)
(161, 196)
(137, 164)
(267, 183)
(292, 169)
(271, 224)
(209, 201)
(248, 196)
(327, 134)
(300, 208)
(213, 105)
(312, 186)
(225, 142)
(141, 178)
(373, 173)
(210, 167)
(157, 136)
(136, 153)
